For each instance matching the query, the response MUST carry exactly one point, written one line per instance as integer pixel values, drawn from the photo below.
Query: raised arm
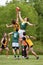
(32, 37)
(10, 33)
(30, 24)
(17, 17)
(21, 19)
(8, 26)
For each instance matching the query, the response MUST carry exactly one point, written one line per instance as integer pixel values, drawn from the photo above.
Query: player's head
(17, 30)
(13, 22)
(24, 38)
(26, 19)
(24, 33)
(5, 34)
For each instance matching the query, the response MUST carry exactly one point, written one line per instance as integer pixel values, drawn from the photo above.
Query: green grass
(11, 61)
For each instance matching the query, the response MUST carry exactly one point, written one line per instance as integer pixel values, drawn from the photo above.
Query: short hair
(13, 21)
(23, 38)
(17, 30)
(27, 19)
(24, 33)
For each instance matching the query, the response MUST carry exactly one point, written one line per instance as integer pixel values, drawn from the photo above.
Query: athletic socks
(14, 56)
(37, 58)
(18, 56)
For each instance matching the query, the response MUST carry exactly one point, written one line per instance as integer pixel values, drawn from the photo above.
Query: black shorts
(15, 48)
(31, 46)
(24, 51)
(24, 47)
(3, 47)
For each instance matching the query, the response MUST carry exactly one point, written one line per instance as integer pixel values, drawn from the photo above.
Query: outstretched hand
(35, 24)
(17, 9)
(6, 25)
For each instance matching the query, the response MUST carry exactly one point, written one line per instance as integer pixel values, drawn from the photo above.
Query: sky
(2, 2)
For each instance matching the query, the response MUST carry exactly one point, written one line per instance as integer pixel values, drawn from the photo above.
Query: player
(15, 43)
(24, 48)
(30, 45)
(14, 24)
(23, 24)
(4, 43)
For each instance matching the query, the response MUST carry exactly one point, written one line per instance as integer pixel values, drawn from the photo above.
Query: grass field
(11, 61)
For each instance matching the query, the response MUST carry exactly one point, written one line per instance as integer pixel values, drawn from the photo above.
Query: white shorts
(15, 44)
(21, 33)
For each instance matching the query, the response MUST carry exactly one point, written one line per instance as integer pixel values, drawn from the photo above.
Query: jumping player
(23, 24)
(14, 24)
(15, 42)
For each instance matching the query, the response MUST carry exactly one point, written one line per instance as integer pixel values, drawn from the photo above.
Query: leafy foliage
(35, 14)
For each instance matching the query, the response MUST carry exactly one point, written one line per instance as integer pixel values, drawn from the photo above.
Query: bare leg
(31, 49)
(7, 50)
(27, 52)
(17, 52)
(14, 53)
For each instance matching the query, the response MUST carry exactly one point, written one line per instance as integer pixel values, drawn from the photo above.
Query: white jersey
(21, 33)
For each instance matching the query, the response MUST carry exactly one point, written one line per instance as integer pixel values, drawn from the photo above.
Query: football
(17, 9)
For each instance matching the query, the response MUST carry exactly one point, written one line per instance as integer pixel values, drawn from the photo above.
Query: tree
(39, 8)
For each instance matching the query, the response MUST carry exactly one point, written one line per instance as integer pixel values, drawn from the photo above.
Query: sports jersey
(24, 43)
(5, 41)
(16, 26)
(15, 37)
(29, 42)
(23, 25)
